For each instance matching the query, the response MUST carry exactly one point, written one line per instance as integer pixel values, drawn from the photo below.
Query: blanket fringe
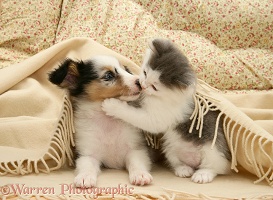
(59, 151)
(170, 195)
(152, 140)
(135, 196)
(236, 132)
(200, 196)
(239, 134)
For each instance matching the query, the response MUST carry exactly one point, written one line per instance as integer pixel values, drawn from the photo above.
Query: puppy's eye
(154, 88)
(109, 76)
(127, 70)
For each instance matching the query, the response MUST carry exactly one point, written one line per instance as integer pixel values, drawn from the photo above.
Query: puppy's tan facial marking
(98, 91)
(109, 85)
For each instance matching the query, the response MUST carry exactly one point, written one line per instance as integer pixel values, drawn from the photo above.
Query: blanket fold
(36, 118)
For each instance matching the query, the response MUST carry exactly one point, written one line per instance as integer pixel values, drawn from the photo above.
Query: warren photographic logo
(65, 189)
(23, 189)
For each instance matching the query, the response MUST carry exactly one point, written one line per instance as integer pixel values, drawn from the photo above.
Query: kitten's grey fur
(165, 106)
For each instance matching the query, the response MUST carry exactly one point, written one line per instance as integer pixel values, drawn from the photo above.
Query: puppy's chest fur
(104, 136)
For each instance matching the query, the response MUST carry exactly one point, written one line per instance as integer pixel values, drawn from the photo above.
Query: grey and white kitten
(165, 106)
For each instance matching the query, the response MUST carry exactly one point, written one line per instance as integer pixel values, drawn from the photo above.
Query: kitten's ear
(160, 46)
(66, 76)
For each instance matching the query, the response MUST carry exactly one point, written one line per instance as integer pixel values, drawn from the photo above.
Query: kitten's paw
(85, 180)
(203, 176)
(140, 178)
(183, 171)
(111, 106)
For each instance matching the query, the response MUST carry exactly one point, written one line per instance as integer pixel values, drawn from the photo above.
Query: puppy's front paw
(85, 180)
(203, 176)
(112, 106)
(183, 171)
(140, 178)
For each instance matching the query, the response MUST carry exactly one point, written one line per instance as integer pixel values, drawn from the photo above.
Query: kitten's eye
(145, 74)
(127, 70)
(154, 88)
(108, 76)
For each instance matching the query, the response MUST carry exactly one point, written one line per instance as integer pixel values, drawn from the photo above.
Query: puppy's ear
(160, 46)
(67, 75)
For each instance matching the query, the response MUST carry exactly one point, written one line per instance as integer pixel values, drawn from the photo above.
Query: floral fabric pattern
(228, 42)
(26, 28)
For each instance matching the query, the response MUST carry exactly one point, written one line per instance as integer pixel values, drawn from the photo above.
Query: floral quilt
(228, 42)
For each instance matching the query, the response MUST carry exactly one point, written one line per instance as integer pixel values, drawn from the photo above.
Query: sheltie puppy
(165, 106)
(102, 140)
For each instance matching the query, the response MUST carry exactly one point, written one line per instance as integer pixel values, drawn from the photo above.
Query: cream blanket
(36, 127)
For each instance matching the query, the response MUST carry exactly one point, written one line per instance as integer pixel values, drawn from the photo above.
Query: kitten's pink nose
(143, 85)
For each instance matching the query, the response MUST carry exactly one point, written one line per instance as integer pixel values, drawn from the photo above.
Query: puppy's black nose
(138, 84)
